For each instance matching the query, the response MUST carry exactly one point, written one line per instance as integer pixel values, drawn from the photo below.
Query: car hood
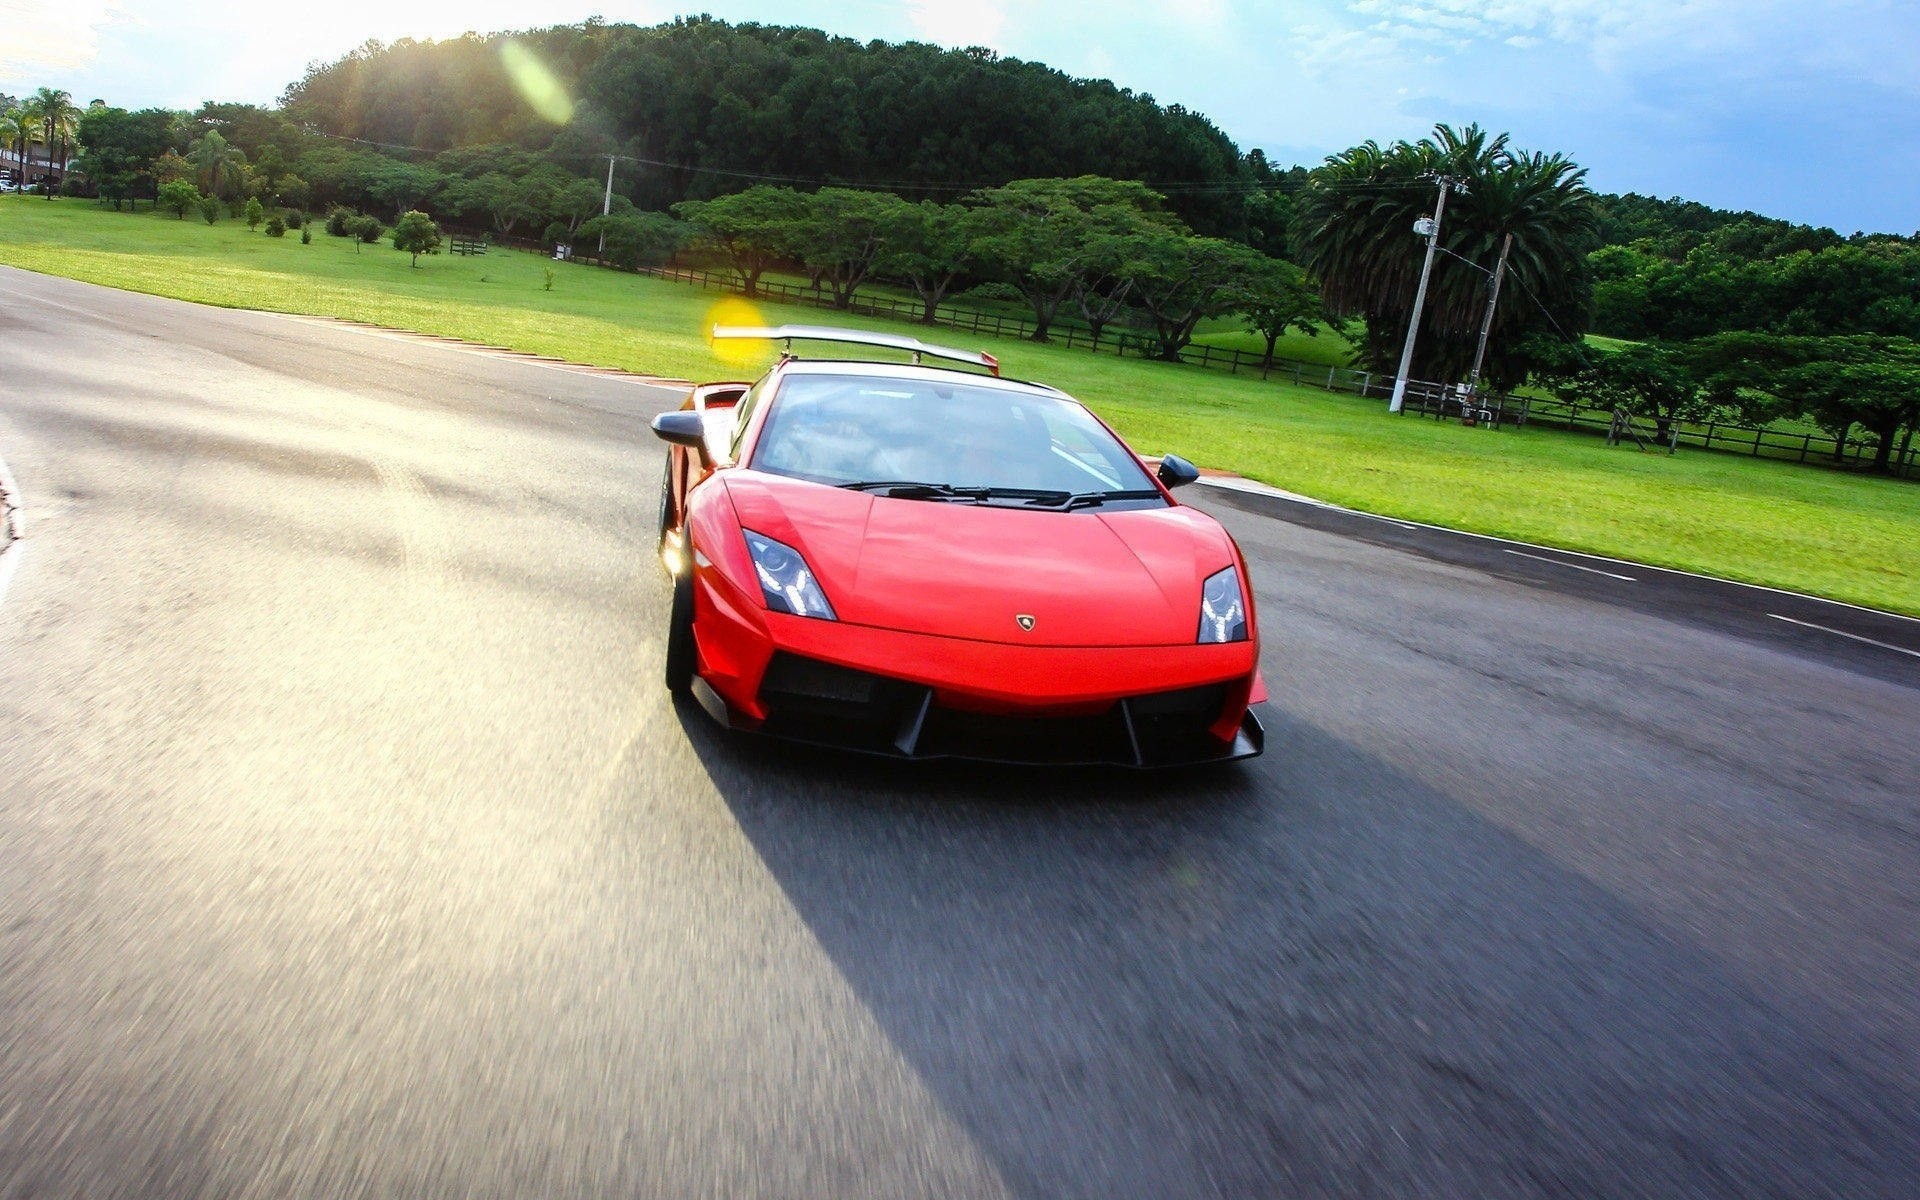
(1087, 578)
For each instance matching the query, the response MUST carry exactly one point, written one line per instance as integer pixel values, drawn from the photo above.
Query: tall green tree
(1043, 236)
(1180, 280)
(749, 231)
(841, 233)
(926, 244)
(1837, 382)
(59, 118)
(20, 127)
(1645, 378)
(1277, 296)
(635, 238)
(119, 149)
(219, 165)
(1355, 233)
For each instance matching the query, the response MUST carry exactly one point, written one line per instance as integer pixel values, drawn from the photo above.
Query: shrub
(255, 212)
(294, 218)
(179, 198)
(306, 235)
(367, 229)
(340, 221)
(210, 208)
(276, 227)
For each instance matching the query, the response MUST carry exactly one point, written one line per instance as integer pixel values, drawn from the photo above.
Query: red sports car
(929, 562)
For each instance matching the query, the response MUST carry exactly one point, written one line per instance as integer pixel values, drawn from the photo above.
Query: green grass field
(1846, 536)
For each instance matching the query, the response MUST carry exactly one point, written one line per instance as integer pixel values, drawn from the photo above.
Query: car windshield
(934, 439)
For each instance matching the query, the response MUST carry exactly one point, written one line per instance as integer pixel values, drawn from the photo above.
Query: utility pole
(1486, 326)
(606, 206)
(1431, 228)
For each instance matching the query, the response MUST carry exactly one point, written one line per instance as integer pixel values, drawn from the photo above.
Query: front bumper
(918, 696)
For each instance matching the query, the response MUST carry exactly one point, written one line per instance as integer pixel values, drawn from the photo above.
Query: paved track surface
(348, 847)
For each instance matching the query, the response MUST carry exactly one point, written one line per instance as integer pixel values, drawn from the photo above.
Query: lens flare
(737, 352)
(537, 85)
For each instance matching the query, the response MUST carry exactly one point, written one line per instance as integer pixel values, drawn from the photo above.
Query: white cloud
(39, 36)
(969, 23)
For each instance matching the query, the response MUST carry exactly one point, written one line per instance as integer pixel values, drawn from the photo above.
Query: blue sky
(1807, 110)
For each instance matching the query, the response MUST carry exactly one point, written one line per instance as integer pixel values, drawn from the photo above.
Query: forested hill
(715, 98)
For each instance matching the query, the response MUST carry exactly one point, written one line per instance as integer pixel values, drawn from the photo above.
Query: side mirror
(1174, 470)
(683, 427)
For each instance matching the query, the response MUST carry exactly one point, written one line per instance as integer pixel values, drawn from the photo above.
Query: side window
(743, 415)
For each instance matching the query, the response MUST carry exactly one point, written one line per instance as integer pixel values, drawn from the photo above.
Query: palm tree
(1356, 234)
(216, 162)
(58, 118)
(21, 125)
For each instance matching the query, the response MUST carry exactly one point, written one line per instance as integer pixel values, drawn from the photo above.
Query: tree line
(721, 103)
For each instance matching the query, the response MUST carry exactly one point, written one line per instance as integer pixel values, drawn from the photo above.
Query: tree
(365, 230)
(179, 198)
(170, 167)
(119, 148)
(219, 166)
(1646, 377)
(750, 231)
(1837, 382)
(505, 200)
(926, 244)
(402, 187)
(841, 233)
(636, 239)
(1180, 280)
(58, 120)
(416, 234)
(21, 127)
(1037, 234)
(1355, 233)
(255, 212)
(1276, 297)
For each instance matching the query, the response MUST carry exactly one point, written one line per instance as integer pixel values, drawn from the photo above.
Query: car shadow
(1306, 975)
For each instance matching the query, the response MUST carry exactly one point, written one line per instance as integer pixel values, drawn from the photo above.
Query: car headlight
(1223, 611)
(785, 579)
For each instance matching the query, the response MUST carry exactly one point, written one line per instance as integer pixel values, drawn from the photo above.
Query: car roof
(889, 370)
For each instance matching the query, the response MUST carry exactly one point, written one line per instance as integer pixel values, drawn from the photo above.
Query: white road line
(1570, 566)
(1843, 633)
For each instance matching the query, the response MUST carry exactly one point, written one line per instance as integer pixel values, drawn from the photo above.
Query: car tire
(680, 648)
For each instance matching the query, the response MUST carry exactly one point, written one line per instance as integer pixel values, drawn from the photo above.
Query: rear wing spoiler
(860, 337)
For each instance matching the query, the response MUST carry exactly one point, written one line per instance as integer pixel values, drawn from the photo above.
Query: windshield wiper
(911, 489)
(1094, 499)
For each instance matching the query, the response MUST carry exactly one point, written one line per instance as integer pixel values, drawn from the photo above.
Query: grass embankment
(1846, 536)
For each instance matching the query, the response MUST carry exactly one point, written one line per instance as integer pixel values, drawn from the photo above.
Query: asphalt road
(349, 847)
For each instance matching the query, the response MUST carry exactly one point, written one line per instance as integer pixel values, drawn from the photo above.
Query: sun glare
(735, 352)
(536, 84)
